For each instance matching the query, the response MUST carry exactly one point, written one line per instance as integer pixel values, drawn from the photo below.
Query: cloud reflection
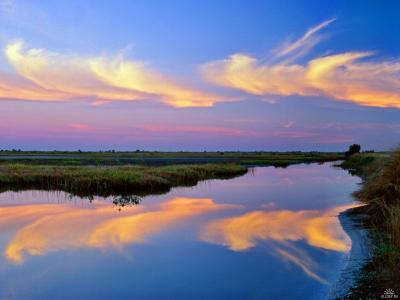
(45, 228)
(320, 229)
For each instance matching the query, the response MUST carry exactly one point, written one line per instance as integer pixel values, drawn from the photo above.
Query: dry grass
(381, 193)
(394, 225)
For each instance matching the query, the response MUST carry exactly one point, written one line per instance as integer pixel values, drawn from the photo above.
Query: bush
(353, 149)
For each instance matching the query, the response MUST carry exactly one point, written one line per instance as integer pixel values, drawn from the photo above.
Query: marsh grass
(381, 191)
(111, 180)
(381, 194)
(167, 158)
(394, 225)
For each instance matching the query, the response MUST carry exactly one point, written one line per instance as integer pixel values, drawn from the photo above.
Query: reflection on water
(318, 228)
(51, 227)
(122, 201)
(250, 237)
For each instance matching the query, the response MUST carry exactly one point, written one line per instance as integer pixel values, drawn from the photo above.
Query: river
(273, 233)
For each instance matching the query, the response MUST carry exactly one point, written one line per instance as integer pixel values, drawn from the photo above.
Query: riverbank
(358, 256)
(380, 192)
(111, 180)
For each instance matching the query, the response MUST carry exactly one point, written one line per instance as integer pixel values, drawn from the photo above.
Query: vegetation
(364, 164)
(381, 194)
(139, 172)
(107, 181)
(112, 158)
(353, 149)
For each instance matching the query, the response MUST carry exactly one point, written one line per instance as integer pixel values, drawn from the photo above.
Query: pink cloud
(215, 130)
(80, 127)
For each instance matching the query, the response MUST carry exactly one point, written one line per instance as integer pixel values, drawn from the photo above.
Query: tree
(353, 149)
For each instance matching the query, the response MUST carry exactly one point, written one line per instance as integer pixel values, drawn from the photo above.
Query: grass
(124, 173)
(381, 194)
(166, 158)
(111, 180)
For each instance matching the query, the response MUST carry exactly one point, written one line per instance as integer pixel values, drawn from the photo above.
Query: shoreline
(380, 216)
(360, 253)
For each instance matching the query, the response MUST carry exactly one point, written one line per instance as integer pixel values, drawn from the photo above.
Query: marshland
(264, 194)
(260, 227)
(114, 173)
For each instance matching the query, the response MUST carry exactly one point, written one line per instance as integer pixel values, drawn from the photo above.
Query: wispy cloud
(46, 75)
(351, 76)
(301, 46)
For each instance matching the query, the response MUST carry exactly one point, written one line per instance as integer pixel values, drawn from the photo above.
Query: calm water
(271, 234)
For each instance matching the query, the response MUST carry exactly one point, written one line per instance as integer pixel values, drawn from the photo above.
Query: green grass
(110, 180)
(365, 164)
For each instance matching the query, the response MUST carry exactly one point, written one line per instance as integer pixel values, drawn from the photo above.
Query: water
(271, 234)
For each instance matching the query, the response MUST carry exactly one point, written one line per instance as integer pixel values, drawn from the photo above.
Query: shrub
(353, 149)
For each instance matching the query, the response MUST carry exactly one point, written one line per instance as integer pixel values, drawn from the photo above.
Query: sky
(174, 75)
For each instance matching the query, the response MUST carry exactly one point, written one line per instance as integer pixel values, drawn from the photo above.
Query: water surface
(271, 234)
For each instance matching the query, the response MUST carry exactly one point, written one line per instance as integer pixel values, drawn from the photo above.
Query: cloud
(304, 44)
(79, 127)
(46, 75)
(351, 76)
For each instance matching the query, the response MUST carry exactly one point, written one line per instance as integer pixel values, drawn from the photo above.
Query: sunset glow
(199, 72)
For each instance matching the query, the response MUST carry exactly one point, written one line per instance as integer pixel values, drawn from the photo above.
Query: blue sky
(199, 75)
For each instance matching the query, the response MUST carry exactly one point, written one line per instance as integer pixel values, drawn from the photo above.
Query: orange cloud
(346, 76)
(53, 76)
(44, 228)
(318, 228)
(15, 87)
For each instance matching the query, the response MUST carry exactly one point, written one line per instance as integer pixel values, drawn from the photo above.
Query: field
(166, 158)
